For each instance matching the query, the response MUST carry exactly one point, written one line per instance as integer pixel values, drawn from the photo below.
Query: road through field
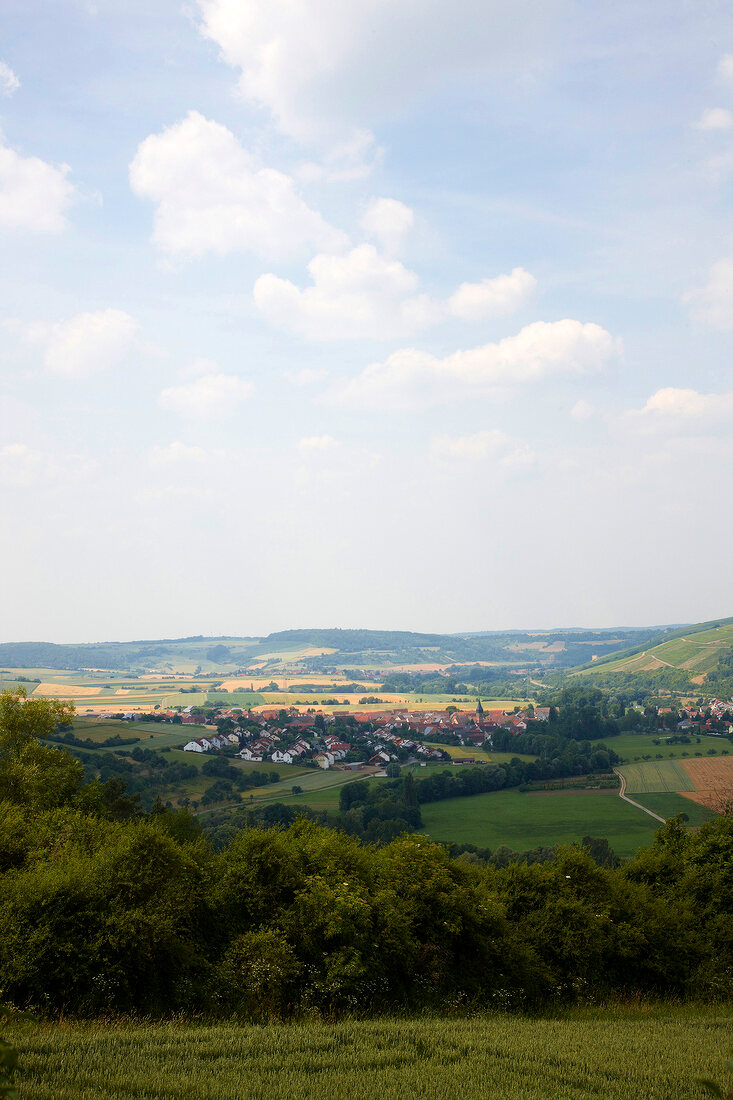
(622, 794)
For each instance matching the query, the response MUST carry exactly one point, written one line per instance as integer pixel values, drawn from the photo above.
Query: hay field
(64, 691)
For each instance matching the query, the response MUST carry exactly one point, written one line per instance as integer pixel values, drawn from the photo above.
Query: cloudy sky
(385, 313)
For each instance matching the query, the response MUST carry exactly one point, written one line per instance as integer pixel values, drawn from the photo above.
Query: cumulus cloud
(353, 159)
(364, 295)
(9, 82)
(320, 68)
(582, 411)
(307, 376)
(715, 118)
(177, 454)
(539, 350)
(34, 195)
(318, 443)
(489, 445)
(359, 295)
(492, 297)
(389, 221)
(713, 303)
(210, 395)
(19, 464)
(212, 195)
(682, 410)
(725, 67)
(86, 344)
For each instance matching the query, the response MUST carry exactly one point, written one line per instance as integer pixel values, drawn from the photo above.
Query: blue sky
(384, 314)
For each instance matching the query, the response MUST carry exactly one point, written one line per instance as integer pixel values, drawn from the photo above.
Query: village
(352, 740)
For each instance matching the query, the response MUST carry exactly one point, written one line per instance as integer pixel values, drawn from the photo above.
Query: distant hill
(685, 658)
(321, 650)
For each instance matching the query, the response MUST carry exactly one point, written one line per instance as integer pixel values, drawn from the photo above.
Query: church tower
(479, 712)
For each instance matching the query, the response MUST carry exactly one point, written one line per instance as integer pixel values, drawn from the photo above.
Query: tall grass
(657, 1054)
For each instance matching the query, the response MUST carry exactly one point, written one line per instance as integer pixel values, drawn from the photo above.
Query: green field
(521, 821)
(656, 775)
(656, 1053)
(635, 746)
(669, 805)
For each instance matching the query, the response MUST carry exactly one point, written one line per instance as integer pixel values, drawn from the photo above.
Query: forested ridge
(106, 909)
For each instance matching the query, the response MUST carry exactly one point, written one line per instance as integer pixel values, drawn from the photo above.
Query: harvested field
(64, 691)
(713, 781)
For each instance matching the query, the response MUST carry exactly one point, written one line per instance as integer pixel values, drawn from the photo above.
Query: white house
(194, 746)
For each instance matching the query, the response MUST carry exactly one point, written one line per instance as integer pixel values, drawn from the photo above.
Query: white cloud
(715, 118)
(315, 443)
(389, 221)
(360, 295)
(9, 82)
(682, 410)
(492, 297)
(364, 295)
(477, 446)
(19, 464)
(176, 454)
(483, 446)
(582, 411)
(725, 67)
(208, 396)
(539, 350)
(350, 160)
(307, 376)
(322, 68)
(33, 194)
(85, 344)
(212, 195)
(713, 303)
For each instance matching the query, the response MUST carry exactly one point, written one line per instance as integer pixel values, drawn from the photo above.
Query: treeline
(107, 910)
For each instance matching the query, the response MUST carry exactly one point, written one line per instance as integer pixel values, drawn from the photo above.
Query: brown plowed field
(713, 779)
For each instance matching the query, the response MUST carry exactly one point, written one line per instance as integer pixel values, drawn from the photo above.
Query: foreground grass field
(521, 821)
(655, 1054)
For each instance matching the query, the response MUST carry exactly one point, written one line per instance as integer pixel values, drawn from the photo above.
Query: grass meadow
(635, 746)
(669, 805)
(522, 820)
(654, 1053)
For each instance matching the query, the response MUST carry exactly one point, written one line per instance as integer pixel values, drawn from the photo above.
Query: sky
(386, 313)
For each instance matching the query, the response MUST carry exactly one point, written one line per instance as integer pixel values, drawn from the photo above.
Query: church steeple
(479, 711)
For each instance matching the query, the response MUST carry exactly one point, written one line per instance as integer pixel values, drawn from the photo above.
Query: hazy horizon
(265, 634)
(366, 313)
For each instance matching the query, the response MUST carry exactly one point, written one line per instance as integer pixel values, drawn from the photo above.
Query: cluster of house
(386, 734)
(695, 719)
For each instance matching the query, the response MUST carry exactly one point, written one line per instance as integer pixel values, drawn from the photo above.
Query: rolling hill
(689, 656)
(324, 650)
